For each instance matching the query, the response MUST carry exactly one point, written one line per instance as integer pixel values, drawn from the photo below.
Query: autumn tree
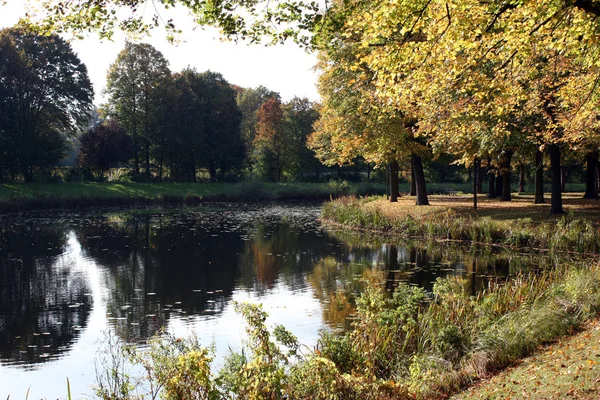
(249, 101)
(45, 95)
(411, 51)
(354, 123)
(272, 143)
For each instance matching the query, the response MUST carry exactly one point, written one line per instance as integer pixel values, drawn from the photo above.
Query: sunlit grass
(518, 223)
(33, 196)
(569, 368)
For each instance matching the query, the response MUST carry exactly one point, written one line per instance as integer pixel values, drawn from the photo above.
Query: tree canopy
(45, 95)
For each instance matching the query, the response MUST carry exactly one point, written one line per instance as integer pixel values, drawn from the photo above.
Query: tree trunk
(413, 181)
(193, 167)
(136, 156)
(394, 182)
(476, 166)
(556, 200)
(506, 178)
(479, 178)
(591, 180)
(521, 178)
(539, 178)
(387, 182)
(499, 183)
(563, 179)
(147, 158)
(491, 185)
(422, 199)
(598, 175)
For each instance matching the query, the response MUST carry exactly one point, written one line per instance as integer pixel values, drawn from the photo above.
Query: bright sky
(285, 69)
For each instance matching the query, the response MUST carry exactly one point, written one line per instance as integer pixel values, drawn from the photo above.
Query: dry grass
(519, 208)
(518, 223)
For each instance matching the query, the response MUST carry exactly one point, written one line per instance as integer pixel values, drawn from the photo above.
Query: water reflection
(163, 269)
(44, 303)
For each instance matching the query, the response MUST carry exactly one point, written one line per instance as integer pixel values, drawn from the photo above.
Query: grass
(567, 369)
(34, 196)
(518, 223)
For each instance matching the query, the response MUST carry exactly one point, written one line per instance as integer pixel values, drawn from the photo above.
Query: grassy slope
(10, 191)
(16, 197)
(567, 369)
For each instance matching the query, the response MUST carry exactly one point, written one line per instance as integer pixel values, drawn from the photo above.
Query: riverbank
(17, 197)
(409, 345)
(518, 223)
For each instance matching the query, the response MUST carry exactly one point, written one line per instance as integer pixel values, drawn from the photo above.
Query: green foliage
(178, 369)
(205, 127)
(46, 94)
(138, 84)
(113, 379)
(261, 374)
(103, 147)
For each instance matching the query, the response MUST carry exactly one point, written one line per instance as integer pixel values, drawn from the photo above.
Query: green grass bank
(518, 223)
(16, 197)
(569, 368)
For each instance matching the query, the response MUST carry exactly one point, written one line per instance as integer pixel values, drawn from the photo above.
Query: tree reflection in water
(44, 303)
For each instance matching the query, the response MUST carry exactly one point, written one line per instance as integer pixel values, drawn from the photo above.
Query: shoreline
(16, 198)
(516, 225)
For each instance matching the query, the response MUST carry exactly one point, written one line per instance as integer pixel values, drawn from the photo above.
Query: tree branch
(502, 10)
(589, 6)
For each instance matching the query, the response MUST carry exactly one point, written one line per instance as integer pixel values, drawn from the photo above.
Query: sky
(286, 69)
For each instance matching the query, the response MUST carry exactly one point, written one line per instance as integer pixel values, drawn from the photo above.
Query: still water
(65, 279)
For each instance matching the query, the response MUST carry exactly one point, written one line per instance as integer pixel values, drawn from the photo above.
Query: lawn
(521, 207)
(64, 190)
(569, 368)
(15, 197)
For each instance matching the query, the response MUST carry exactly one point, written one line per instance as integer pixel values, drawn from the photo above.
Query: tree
(135, 85)
(189, 124)
(207, 125)
(249, 101)
(273, 143)
(354, 122)
(300, 115)
(104, 146)
(45, 95)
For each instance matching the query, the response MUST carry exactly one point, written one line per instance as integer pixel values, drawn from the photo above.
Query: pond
(67, 278)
